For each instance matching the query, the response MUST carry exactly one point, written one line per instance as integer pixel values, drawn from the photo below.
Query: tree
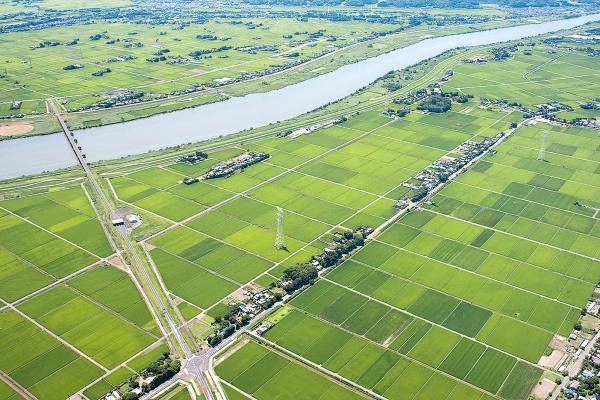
(300, 275)
(436, 104)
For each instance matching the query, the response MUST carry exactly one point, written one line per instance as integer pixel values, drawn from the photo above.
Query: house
(586, 373)
(113, 396)
(132, 218)
(118, 221)
(264, 328)
(584, 344)
(574, 385)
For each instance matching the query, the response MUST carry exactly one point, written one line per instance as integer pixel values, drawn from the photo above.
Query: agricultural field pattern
(435, 235)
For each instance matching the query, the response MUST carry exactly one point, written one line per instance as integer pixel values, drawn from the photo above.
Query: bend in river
(45, 153)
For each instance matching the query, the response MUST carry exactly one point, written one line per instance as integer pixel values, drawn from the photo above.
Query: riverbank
(45, 124)
(206, 123)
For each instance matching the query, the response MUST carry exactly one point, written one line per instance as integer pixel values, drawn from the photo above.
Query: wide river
(45, 153)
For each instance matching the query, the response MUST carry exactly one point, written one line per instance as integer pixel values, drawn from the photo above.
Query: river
(50, 152)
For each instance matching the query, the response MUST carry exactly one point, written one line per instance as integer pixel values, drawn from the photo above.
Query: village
(253, 301)
(431, 178)
(229, 167)
(576, 358)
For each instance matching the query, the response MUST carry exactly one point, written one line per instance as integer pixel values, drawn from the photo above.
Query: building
(264, 328)
(118, 221)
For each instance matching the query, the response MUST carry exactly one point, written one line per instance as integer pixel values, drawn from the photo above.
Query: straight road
(134, 257)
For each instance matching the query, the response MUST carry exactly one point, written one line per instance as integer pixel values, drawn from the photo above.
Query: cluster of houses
(476, 60)
(125, 97)
(503, 52)
(418, 95)
(72, 66)
(313, 128)
(192, 159)
(580, 41)
(233, 165)
(254, 49)
(224, 169)
(120, 58)
(548, 108)
(442, 169)
(256, 301)
(101, 72)
(243, 311)
(586, 384)
(138, 385)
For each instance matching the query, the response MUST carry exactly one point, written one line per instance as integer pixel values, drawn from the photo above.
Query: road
(575, 367)
(135, 259)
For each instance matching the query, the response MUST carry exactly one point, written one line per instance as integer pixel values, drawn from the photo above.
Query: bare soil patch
(543, 389)
(15, 129)
(552, 360)
(558, 343)
(117, 262)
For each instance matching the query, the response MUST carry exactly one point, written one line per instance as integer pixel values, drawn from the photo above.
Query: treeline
(343, 244)
(293, 278)
(159, 371)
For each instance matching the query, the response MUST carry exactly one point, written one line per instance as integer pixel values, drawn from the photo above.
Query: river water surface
(45, 153)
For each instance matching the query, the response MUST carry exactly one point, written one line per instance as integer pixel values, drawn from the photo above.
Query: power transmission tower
(279, 239)
(542, 153)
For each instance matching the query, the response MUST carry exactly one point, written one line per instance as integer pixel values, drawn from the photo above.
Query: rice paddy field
(260, 372)
(536, 75)
(46, 238)
(222, 230)
(78, 332)
(41, 69)
(457, 300)
(461, 298)
(40, 74)
(66, 320)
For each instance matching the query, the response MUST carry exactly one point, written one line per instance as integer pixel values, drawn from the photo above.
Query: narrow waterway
(45, 153)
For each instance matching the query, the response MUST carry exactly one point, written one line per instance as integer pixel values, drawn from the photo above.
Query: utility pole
(279, 239)
(542, 153)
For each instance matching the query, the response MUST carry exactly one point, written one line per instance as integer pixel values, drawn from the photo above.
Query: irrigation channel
(36, 154)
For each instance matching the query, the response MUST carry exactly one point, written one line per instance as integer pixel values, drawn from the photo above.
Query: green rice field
(464, 295)
(458, 299)
(258, 371)
(329, 179)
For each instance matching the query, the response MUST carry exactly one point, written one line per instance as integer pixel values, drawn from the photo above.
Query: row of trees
(161, 370)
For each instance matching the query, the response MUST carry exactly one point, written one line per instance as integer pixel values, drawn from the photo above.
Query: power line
(542, 153)
(279, 239)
